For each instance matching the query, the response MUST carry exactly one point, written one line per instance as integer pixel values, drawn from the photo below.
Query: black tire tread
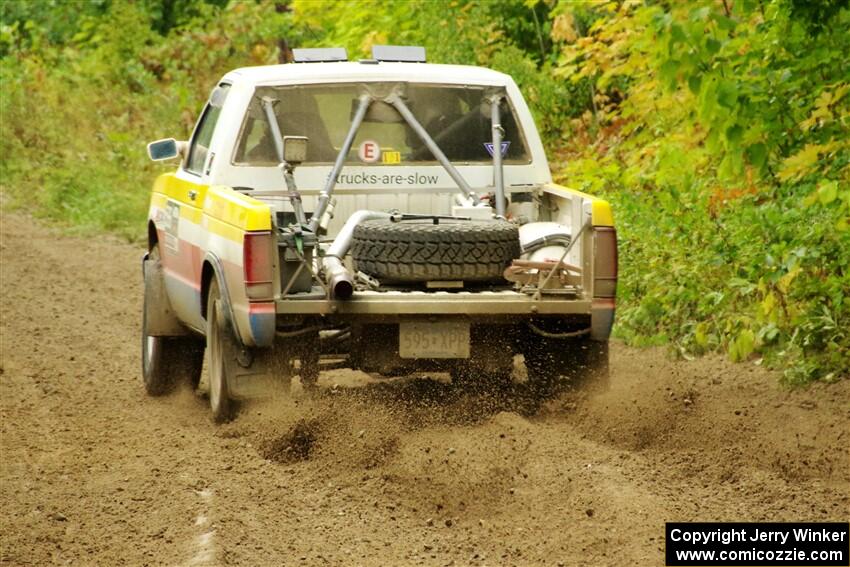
(473, 251)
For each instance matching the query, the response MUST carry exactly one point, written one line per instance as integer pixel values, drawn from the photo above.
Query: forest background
(719, 130)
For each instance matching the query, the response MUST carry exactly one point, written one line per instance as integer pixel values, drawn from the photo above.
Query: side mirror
(165, 149)
(294, 149)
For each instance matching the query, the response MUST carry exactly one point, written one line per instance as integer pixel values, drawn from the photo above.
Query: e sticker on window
(391, 157)
(369, 152)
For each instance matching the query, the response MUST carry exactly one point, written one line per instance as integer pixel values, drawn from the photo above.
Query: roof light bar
(319, 54)
(399, 53)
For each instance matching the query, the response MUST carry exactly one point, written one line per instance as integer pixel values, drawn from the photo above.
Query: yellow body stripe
(227, 213)
(178, 189)
(243, 212)
(601, 214)
(223, 229)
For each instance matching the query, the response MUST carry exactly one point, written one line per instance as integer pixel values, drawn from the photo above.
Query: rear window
(457, 118)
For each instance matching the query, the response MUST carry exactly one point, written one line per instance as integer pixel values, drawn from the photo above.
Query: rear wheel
(223, 349)
(167, 361)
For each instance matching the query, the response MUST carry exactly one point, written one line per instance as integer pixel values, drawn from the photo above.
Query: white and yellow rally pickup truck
(386, 215)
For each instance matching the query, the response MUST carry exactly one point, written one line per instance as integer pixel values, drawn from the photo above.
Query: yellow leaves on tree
(564, 28)
(824, 110)
(805, 161)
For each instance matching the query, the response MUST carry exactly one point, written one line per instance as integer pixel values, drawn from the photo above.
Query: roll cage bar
(395, 99)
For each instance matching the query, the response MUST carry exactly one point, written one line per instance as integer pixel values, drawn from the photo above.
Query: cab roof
(368, 70)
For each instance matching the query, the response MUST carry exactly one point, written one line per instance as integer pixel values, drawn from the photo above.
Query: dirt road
(94, 472)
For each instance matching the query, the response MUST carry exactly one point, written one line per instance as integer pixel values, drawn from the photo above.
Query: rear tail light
(605, 261)
(257, 258)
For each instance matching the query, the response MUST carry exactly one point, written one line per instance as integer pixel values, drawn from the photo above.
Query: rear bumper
(498, 307)
(402, 303)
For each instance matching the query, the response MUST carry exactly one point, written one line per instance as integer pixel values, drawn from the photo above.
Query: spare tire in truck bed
(419, 251)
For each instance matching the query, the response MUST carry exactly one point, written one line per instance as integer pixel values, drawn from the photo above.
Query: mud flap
(601, 319)
(266, 376)
(160, 319)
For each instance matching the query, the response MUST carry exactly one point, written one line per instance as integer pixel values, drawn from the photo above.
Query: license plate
(447, 339)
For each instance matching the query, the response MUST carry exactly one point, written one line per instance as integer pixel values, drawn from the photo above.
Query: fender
(261, 316)
(218, 274)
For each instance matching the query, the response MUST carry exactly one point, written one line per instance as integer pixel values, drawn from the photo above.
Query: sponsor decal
(172, 220)
(364, 178)
(369, 152)
(489, 147)
(390, 157)
(161, 219)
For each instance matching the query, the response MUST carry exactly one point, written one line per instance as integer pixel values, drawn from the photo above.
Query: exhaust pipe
(340, 282)
(339, 279)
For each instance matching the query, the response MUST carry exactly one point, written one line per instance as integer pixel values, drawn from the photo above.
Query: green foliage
(720, 132)
(85, 90)
(723, 139)
(511, 36)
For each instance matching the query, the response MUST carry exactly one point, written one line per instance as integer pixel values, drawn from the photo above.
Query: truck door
(182, 249)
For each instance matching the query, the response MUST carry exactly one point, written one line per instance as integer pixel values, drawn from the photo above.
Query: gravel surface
(405, 472)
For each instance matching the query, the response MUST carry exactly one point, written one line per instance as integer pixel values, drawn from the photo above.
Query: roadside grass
(75, 152)
(764, 281)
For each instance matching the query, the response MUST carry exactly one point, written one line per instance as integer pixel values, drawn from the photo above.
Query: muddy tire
(167, 361)
(223, 349)
(575, 363)
(419, 251)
